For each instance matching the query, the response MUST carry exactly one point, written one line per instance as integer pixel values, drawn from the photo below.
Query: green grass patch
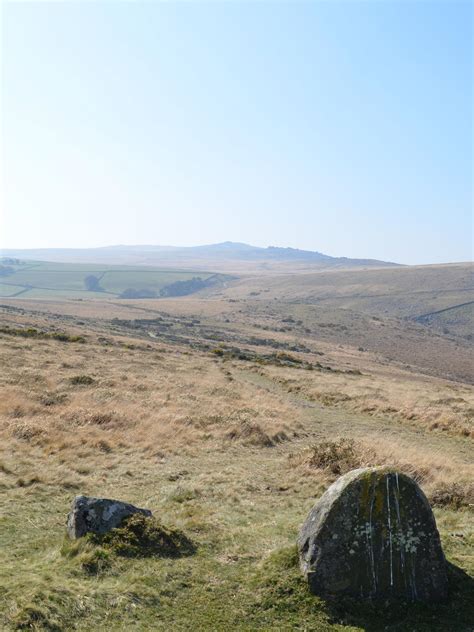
(37, 279)
(243, 574)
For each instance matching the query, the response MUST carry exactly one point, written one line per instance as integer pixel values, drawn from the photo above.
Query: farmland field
(38, 279)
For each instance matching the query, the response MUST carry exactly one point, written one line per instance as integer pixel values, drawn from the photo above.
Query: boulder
(98, 515)
(372, 535)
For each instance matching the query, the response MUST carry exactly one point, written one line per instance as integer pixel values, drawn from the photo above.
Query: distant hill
(224, 255)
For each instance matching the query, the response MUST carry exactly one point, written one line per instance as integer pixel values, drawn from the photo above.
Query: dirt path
(324, 422)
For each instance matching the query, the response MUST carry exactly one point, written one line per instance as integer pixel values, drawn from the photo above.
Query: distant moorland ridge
(228, 251)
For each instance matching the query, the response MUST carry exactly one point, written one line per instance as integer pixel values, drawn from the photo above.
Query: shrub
(141, 536)
(454, 495)
(31, 332)
(338, 456)
(66, 337)
(82, 380)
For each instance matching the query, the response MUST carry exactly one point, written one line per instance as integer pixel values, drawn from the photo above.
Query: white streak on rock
(390, 532)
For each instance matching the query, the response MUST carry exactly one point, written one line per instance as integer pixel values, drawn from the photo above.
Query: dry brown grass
(94, 401)
(438, 405)
(447, 483)
(131, 399)
(205, 443)
(124, 393)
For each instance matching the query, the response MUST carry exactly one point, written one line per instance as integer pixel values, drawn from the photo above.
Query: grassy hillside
(43, 279)
(401, 291)
(227, 436)
(458, 319)
(420, 316)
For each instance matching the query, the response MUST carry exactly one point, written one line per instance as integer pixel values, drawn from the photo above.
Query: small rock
(98, 515)
(373, 535)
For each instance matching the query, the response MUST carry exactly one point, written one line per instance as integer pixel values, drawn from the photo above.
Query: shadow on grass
(137, 537)
(456, 614)
(284, 593)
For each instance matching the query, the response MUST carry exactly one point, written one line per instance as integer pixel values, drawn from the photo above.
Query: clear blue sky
(343, 127)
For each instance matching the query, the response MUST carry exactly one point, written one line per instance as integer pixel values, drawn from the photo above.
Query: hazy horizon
(342, 128)
(164, 247)
(183, 246)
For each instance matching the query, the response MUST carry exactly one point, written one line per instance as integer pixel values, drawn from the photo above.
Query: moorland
(228, 411)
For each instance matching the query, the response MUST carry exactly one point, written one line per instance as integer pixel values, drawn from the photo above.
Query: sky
(342, 127)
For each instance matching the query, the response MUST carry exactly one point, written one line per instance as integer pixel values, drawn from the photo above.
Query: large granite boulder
(373, 535)
(98, 515)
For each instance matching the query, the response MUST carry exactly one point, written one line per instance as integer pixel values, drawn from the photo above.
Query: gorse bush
(141, 536)
(338, 456)
(31, 332)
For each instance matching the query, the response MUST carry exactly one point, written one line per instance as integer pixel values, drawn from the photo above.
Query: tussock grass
(446, 484)
(454, 494)
(81, 380)
(416, 400)
(252, 434)
(206, 445)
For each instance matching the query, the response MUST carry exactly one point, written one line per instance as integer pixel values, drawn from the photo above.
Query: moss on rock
(373, 535)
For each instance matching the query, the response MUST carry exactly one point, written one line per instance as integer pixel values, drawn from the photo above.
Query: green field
(38, 279)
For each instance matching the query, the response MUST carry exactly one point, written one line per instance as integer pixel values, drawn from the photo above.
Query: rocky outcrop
(373, 535)
(98, 515)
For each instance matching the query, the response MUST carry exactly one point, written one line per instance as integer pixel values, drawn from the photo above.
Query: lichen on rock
(373, 535)
(98, 515)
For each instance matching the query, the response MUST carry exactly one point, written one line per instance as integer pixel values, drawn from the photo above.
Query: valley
(228, 412)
